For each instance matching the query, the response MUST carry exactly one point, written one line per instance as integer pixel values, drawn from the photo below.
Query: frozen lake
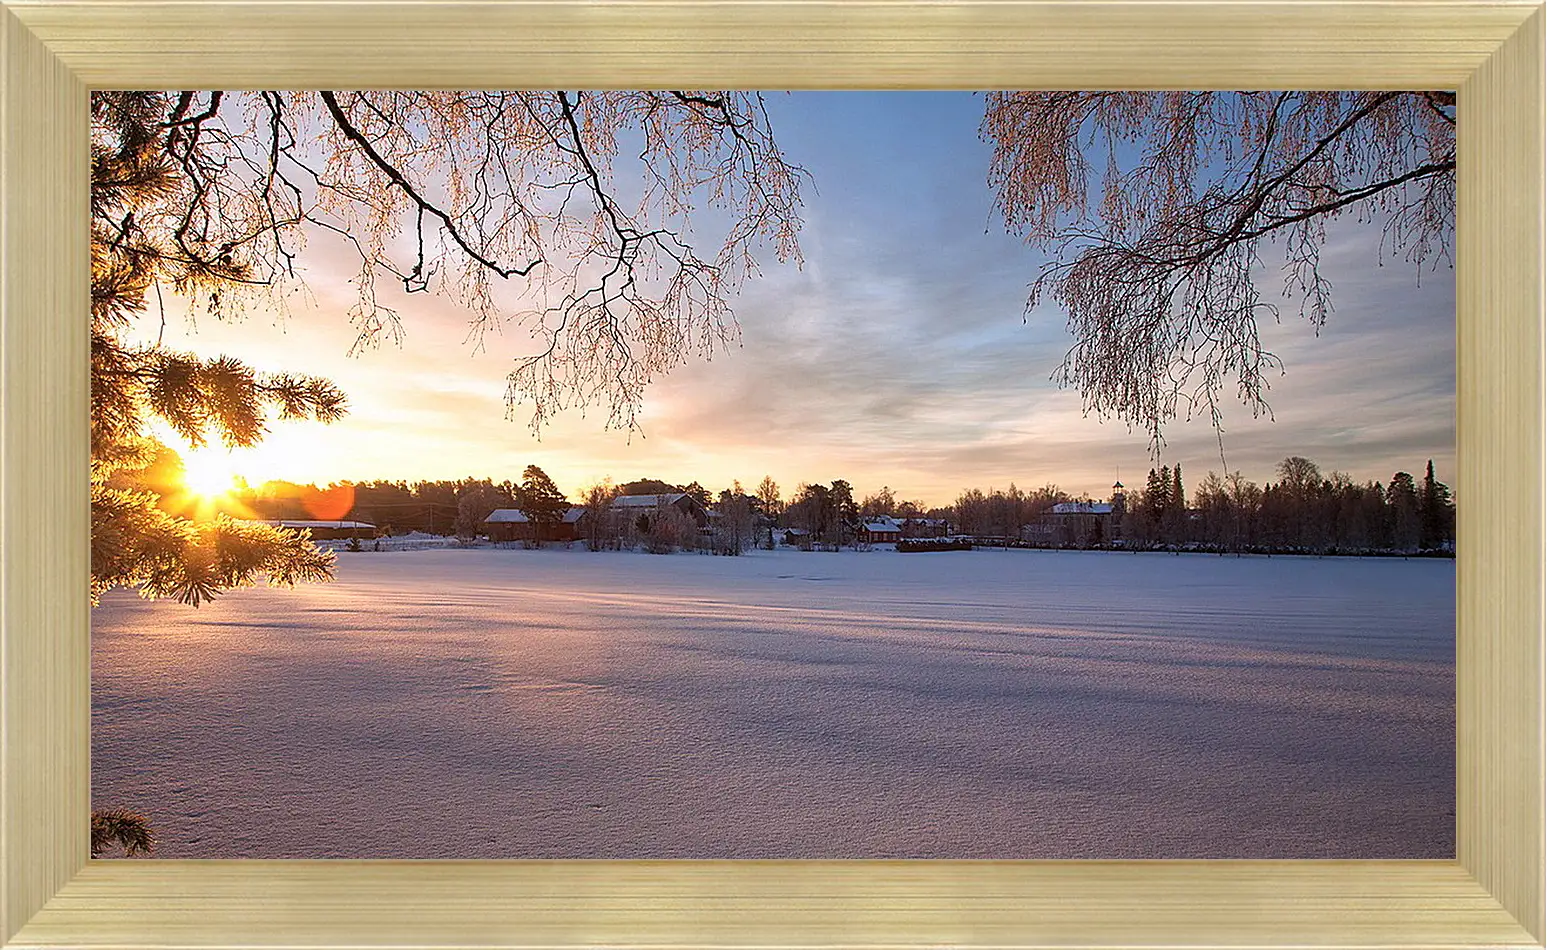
(1004, 704)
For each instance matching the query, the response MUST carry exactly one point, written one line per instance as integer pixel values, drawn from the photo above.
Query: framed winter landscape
(561, 664)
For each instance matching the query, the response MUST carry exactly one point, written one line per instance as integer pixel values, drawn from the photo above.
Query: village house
(924, 527)
(796, 537)
(882, 529)
(1083, 523)
(1072, 524)
(646, 505)
(512, 524)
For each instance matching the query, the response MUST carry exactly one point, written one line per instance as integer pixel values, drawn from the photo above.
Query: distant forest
(1303, 511)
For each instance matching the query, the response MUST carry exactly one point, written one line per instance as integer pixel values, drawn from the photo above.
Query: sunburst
(208, 472)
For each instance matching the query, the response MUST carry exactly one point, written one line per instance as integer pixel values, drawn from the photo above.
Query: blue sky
(900, 354)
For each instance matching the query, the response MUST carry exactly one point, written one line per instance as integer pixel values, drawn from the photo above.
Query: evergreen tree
(648, 486)
(1157, 504)
(135, 541)
(1156, 487)
(845, 509)
(698, 493)
(437, 506)
(541, 501)
(1406, 521)
(1435, 511)
(127, 829)
(1176, 512)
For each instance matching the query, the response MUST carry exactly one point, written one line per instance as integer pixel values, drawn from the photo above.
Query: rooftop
(1082, 508)
(647, 501)
(517, 516)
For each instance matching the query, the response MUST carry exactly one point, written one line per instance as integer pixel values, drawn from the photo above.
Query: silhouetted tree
(768, 497)
(772, 507)
(476, 500)
(541, 501)
(1406, 520)
(698, 493)
(845, 511)
(602, 528)
(733, 526)
(883, 502)
(1435, 511)
(812, 509)
(648, 486)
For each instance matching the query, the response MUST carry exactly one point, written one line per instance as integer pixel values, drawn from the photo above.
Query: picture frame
(56, 51)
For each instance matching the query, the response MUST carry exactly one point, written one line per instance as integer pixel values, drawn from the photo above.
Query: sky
(900, 354)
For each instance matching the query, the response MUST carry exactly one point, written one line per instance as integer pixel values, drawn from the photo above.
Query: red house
(512, 524)
(881, 530)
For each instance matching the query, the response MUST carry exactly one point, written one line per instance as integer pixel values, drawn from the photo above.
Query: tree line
(1304, 511)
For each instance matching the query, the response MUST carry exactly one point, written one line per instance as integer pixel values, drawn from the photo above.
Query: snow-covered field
(1010, 704)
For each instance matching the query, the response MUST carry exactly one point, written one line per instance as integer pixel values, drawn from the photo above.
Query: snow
(411, 541)
(485, 703)
(1082, 508)
(506, 515)
(647, 501)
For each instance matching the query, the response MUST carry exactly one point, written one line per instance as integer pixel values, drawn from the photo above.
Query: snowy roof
(506, 516)
(517, 516)
(882, 524)
(647, 501)
(1082, 508)
(287, 523)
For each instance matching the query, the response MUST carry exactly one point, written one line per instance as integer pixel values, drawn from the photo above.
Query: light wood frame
(56, 51)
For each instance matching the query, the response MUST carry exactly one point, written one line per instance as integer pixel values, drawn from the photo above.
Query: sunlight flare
(208, 472)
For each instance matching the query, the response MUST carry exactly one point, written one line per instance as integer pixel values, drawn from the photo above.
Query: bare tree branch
(1160, 276)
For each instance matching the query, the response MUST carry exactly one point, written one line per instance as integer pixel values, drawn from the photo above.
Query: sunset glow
(208, 472)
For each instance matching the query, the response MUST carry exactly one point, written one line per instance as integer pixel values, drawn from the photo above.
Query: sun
(208, 472)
